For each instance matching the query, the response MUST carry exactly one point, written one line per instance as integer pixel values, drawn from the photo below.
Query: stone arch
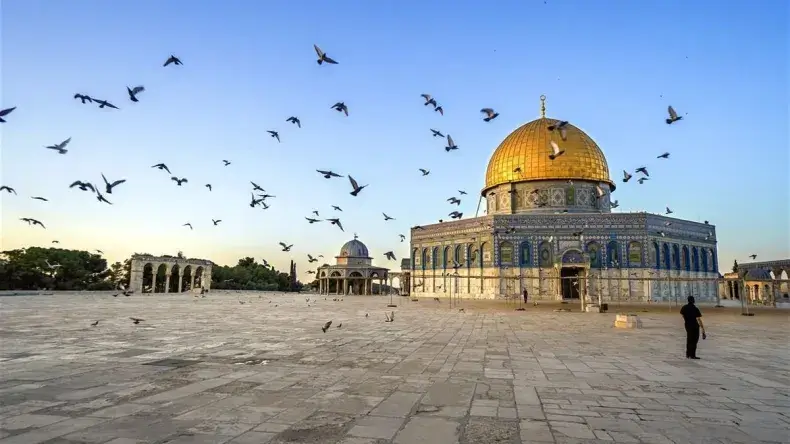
(675, 256)
(705, 260)
(186, 278)
(666, 257)
(525, 254)
(148, 277)
(485, 250)
(505, 254)
(459, 254)
(655, 256)
(635, 254)
(175, 279)
(572, 256)
(445, 257)
(714, 261)
(613, 254)
(695, 259)
(323, 274)
(374, 274)
(415, 258)
(199, 277)
(161, 275)
(425, 258)
(435, 258)
(335, 274)
(355, 274)
(685, 259)
(472, 255)
(593, 249)
(545, 255)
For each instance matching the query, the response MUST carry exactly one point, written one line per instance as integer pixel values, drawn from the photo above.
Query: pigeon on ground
(490, 114)
(8, 189)
(179, 181)
(60, 147)
(134, 91)
(450, 144)
(162, 166)
(355, 186)
(556, 151)
(109, 186)
(83, 98)
(295, 121)
(673, 116)
(340, 107)
(5, 112)
(322, 57)
(173, 59)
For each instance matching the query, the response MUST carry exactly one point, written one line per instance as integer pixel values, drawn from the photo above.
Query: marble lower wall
(611, 285)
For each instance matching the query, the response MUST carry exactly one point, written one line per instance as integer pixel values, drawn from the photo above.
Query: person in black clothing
(692, 319)
(525, 295)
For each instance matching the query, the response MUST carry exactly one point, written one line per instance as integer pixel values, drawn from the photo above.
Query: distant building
(353, 272)
(550, 229)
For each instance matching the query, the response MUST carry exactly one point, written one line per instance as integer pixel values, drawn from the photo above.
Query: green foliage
(249, 275)
(27, 269)
(735, 266)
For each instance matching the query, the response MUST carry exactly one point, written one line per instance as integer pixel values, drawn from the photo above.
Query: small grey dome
(354, 248)
(757, 274)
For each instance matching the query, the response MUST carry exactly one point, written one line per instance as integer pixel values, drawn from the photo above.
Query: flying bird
(340, 107)
(226, 162)
(83, 98)
(286, 247)
(312, 221)
(99, 251)
(311, 259)
(599, 191)
(336, 222)
(753, 256)
(456, 215)
(329, 174)
(40, 198)
(614, 204)
(355, 186)
(436, 133)
(626, 176)
(322, 57)
(450, 144)
(8, 189)
(316, 212)
(555, 150)
(173, 59)
(5, 112)
(254, 201)
(105, 104)
(439, 109)
(208, 185)
(101, 198)
(429, 100)
(461, 192)
(336, 208)
(326, 326)
(673, 116)
(402, 237)
(669, 211)
(216, 222)
(390, 255)
(162, 166)
(642, 180)
(560, 127)
(31, 221)
(275, 134)
(179, 181)
(84, 186)
(386, 217)
(51, 266)
(490, 114)
(294, 120)
(663, 156)
(93, 324)
(257, 187)
(60, 147)
(425, 172)
(454, 200)
(134, 91)
(642, 170)
(187, 225)
(109, 186)
(136, 321)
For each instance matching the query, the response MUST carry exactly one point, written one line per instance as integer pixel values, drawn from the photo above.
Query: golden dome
(528, 148)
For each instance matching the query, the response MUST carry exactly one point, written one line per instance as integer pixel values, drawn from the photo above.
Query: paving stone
(27, 421)
(376, 427)
(428, 430)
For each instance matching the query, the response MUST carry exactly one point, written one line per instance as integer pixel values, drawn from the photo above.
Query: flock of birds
(259, 197)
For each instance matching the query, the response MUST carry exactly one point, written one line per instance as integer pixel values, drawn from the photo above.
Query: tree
(29, 269)
(249, 275)
(735, 266)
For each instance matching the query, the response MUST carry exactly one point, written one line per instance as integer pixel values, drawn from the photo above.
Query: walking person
(692, 318)
(525, 295)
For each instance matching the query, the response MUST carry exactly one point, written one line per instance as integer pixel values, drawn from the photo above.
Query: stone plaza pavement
(214, 370)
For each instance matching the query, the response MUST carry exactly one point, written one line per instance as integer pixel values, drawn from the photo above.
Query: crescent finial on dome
(542, 106)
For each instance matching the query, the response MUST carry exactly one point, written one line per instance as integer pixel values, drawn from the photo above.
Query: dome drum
(548, 196)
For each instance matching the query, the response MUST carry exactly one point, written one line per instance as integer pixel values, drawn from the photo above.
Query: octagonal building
(550, 229)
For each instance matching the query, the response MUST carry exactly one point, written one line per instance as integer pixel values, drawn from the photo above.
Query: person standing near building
(525, 295)
(692, 318)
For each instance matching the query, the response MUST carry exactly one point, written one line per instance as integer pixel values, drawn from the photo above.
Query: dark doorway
(571, 281)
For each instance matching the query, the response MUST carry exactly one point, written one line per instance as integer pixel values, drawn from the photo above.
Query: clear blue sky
(248, 65)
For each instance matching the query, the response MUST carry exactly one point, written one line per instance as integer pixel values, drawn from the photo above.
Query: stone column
(167, 282)
(136, 277)
(153, 278)
(180, 279)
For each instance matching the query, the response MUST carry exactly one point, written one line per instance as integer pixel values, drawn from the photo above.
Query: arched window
(525, 258)
(594, 251)
(665, 256)
(435, 258)
(505, 254)
(695, 258)
(655, 256)
(485, 254)
(685, 260)
(634, 254)
(613, 255)
(545, 259)
(705, 260)
(472, 256)
(676, 257)
(445, 257)
(715, 267)
(459, 254)
(425, 258)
